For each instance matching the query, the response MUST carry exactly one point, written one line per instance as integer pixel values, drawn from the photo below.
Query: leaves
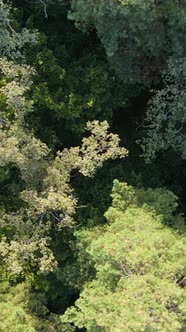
(138, 37)
(11, 41)
(166, 116)
(47, 196)
(138, 261)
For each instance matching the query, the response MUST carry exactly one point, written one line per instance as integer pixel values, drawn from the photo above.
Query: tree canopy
(166, 115)
(73, 73)
(139, 266)
(124, 27)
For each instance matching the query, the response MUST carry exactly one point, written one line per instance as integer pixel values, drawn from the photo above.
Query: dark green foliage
(60, 253)
(138, 36)
(80, 93)
(73, 84)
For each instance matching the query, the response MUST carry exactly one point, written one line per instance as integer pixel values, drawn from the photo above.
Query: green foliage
(12, 42)
(23, 310)
(73, 84)
(166, 115)
(71, 96)
(125, 269)
(139, 267)
(47, 194)
(138, 36)
(161, 201)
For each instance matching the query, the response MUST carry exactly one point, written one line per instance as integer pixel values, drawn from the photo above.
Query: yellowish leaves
(48, 194)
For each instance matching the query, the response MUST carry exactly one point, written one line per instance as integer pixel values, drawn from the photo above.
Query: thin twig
(81, 206)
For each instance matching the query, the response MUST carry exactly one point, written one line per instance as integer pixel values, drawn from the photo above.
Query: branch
(3, 121)
(81, 206)
(6, 19)
(45, 8)
(10, 27)
(43, 3)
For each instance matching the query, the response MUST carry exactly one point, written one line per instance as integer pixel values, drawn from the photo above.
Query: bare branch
(81, 206)
(10, 27)
(43, 3)
(45, 8)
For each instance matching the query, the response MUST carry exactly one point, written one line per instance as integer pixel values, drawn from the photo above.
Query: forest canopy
(92, 167)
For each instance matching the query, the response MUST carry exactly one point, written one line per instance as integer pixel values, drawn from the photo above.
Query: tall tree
(46, 198)
(137, 263)
(138, 36)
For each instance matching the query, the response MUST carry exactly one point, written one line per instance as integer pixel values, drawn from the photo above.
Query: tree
(138, 264)
(12, 42)
(138, 36)
(24, 310)
(71, 97)
(165, 121)
(46, 196)
(74, 84)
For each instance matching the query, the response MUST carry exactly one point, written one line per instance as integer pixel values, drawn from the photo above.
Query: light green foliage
(17, 81)
(129, 269)
(18, 146)
(139, 268)
(138, 36)
(12, 42)
(23, 310)
(47, 196)
(166, 115)
(161, 201)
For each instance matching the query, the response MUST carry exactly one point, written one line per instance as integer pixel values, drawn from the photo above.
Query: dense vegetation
(92, 168)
